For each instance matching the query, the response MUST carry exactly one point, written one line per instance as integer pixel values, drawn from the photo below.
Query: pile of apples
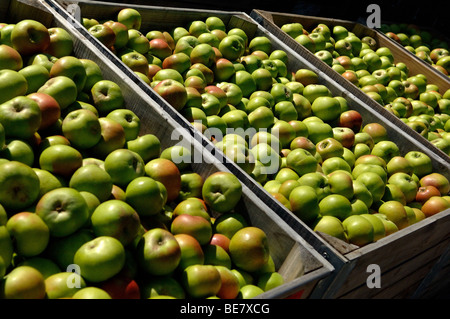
(338, 174)
(431, 49)
(91, 207)
(420, 104)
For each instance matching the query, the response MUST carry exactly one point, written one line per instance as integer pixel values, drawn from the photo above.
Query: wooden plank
(400, 281)
(437, 278)
(398, 263)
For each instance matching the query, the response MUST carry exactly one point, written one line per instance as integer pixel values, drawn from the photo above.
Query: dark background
(425, 13)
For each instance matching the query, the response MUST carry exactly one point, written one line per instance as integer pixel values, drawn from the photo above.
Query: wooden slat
(400, 281)
(422, 242)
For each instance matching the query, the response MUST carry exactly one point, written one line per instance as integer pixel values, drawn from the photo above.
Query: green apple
(406, 183)
(318, 131)
(72, 68)
(222, 191)
(20, 117)
(61, 159)
(307, 42)
(191, 251)
(421, 163)
(91, 293)
(123, 166)
(82, 128)
(249, 248)
(62, 88)
(117, 219)
(304, 203)
(359, 230)
(335, 205)
(30, 36)
(158, 252)
(107, 96)
(285, 111)
(64, 210)
(142, 189)
(10, 58)
(332, 226)
(328, 148)
(232, 47)
(100, 258)
(395, 212)
(386, 150)
(201, 281)
(313, 91)
(103, 33)
(341, 183)
(20, 186)
(23, 282)
(29, 233)
(57, 287)
(293, 29)
(130, 17)
(335, 163)
(129, 121)
(18, 150)
(374, 183)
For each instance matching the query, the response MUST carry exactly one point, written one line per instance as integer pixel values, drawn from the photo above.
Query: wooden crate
(273, 21)
(344, 257)
(301, 266)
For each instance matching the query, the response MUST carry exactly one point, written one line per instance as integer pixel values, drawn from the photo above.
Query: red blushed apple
(351, 77)
(434, 205)
(220, 240)
(50, 110)
(152, 70)
(218, 93)
(178, 61)
(166, 172)
(345, 61)
(191, 251)
(196, 226)
(351, 119)
(173, 92)
(229, 289)
(104, 34)
(376, 130)
(159, 48)
(29, 37)
(426, 192)
(10, 58)
(121, 287)
(121, 33)
(437, 180)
